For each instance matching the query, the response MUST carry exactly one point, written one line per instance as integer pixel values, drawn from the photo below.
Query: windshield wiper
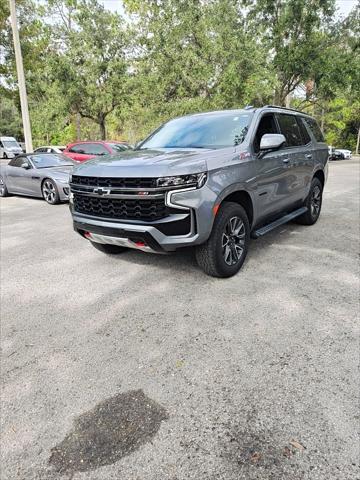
(183, 146)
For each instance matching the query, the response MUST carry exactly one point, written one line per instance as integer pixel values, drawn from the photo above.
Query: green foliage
(120, 78)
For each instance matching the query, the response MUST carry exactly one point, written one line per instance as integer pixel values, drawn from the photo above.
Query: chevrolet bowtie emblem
(102, 191)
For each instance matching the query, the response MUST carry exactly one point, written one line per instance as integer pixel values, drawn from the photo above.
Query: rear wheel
(109, 249)
(224, 252)
(50, 192)
(313, 203)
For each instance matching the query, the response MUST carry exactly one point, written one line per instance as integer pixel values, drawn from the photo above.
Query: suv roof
(249, 108)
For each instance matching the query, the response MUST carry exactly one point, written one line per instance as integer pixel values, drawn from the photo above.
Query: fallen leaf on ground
(255, 457)
(297, 445)
(287, 452)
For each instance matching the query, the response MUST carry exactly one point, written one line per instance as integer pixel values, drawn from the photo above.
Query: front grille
(148, 210)
(113, 182)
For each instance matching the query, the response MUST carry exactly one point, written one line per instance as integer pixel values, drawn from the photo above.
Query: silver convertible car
(37, 175)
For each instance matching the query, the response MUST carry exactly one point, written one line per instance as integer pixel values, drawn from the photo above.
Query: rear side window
(17, 161)
(305, 134)
(315, 129)
(290, 129)
(77, 149)
(89, 149)
(95, 149)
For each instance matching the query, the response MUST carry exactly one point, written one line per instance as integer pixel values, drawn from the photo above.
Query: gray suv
(210, 180)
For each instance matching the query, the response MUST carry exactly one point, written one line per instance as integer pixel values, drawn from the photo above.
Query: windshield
(201, 131)
(50, 160)
(10, 144)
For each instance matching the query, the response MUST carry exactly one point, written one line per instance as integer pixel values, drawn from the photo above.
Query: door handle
(286, 160)
(309, 155)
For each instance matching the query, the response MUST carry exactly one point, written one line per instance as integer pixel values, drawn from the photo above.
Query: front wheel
(50, 192)
(107, 248)
(3, 189)
(223, 254)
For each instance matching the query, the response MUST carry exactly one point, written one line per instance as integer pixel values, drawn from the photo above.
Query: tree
(90, 66)
(187, 60)
(293, 31)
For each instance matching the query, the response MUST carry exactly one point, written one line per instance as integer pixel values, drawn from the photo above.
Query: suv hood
(146, 163)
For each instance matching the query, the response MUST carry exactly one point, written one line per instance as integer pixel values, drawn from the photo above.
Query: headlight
(62, 180)
(197, 180)
(70, 178)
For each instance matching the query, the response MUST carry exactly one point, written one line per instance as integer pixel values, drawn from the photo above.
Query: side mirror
(25, 165)
(272, 141)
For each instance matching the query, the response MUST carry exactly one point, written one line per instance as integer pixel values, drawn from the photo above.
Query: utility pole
(21, 79)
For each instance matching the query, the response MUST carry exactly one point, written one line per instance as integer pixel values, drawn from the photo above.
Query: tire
(313, 203)
(3, 188)
(50, 191)
(223, 254)
(109, 249)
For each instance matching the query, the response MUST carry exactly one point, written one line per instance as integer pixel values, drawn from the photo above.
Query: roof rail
(285, 108)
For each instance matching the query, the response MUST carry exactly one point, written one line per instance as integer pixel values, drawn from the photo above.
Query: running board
(280, 221)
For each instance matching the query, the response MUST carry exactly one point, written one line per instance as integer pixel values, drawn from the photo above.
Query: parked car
(82, 151)
(37, 175)
(50, 149)
(209, 181)
(9, 147)
(346, 154)
(339, 154)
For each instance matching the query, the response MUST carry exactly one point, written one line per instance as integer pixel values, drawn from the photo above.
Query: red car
(82, 151)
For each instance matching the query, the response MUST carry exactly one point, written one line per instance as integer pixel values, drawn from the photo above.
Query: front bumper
(64, 191)
(149, 235)
(189, 226)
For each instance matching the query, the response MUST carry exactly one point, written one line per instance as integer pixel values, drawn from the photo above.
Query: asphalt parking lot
(139, 367)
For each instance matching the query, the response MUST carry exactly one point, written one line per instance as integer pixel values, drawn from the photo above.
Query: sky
(344, 6)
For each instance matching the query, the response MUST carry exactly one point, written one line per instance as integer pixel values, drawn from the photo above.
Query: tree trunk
(358, 143)
(288, 101)
(78, 126)
(102, 128)
(322, 119)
